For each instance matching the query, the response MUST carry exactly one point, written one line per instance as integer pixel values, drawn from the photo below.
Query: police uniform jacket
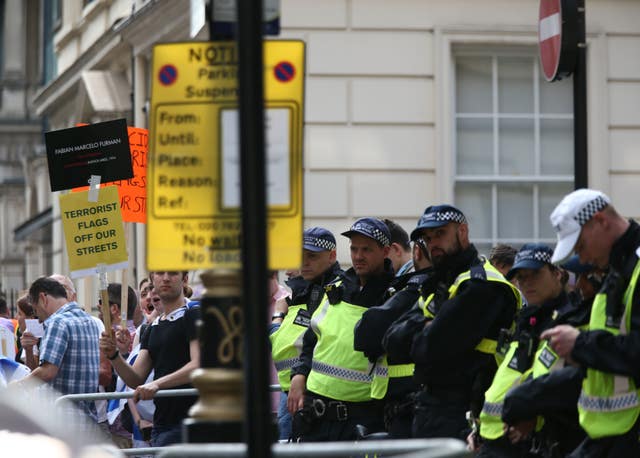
(554, 395)
(374, 293)
(602, 350)
(375, 322)
(398, 338)
(444, 352)
(311, 293)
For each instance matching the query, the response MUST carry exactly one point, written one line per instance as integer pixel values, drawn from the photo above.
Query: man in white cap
(609, 404)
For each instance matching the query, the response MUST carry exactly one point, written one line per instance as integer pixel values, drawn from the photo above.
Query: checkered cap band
(589, 210)
(371, 231)
(320, 243)
(451, 216)
(533, 255)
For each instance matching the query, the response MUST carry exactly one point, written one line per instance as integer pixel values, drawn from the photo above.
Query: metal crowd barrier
(129, 394)
(419, 448)
(407, 448)
(124, 395)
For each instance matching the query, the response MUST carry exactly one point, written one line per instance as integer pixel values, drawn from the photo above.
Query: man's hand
(146, 391)
(473, 444)
(520, 430)
(142, 424)
(123, 340)
(562, 339)
(295, 401)
(28, 341)
(281, 306)
(107, 344)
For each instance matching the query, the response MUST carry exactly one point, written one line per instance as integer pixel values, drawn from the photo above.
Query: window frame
(495, 179)
(450, 37)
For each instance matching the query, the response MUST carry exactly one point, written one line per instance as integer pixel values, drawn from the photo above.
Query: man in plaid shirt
(69, 353)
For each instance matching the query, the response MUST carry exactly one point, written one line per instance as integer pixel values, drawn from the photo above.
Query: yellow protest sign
(193, 186)
(94, 232)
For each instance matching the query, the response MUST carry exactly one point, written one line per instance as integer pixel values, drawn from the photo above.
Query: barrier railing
(129, 394)
(125, 395)
(418, 448)
(424, 448)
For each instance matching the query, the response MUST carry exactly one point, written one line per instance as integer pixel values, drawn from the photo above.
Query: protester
(29, 344)
(171, 349)
(69, 353)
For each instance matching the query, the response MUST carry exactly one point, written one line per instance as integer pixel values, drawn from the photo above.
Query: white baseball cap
(573, 211)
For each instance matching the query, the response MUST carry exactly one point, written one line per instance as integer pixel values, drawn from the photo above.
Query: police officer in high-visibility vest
(292, 317)
(543, 286)
(551, 393)
(609, 404)
(455, 353)
(330, 390)
(396, 387)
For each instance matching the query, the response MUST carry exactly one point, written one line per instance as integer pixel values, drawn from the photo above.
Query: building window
(52, 20)
(513, 145)
(2, 40)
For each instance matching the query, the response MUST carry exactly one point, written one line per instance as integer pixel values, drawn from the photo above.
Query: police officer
(454, 353)
(291, 318)
(337, 378)
(399, 249)
(553, 389)
(609, 405)
(397, 386)
(544, 290)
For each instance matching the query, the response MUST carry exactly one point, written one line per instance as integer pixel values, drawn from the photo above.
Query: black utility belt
(451, 394)
(341, 411)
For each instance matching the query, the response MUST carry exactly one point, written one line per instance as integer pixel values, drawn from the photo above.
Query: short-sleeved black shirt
(167, 341)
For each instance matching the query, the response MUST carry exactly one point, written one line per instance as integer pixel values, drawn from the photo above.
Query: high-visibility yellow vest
(507, 377)
(609, 404)
(490, 273)
(490, 417)
(337, 370)
(286, 342)
(380, 383)
(383, 372)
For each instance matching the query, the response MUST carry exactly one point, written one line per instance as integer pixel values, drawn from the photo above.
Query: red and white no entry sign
(557, 37)
(550, 36)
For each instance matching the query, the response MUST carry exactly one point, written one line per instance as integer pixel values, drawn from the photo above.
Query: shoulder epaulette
(417, 279)
(477, 271)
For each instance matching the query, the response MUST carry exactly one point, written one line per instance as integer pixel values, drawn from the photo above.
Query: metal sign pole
(580, 102)
(258, 425)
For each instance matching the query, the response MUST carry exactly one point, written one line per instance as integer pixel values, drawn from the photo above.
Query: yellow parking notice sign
(193, 187)
(94, 232)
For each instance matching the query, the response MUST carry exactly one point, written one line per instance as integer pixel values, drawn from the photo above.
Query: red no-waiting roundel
(557, 37)
(167, 75)
(284, 71)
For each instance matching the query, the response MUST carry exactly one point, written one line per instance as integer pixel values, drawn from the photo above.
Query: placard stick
(94, 187)
(124, 294)
(104, 297)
